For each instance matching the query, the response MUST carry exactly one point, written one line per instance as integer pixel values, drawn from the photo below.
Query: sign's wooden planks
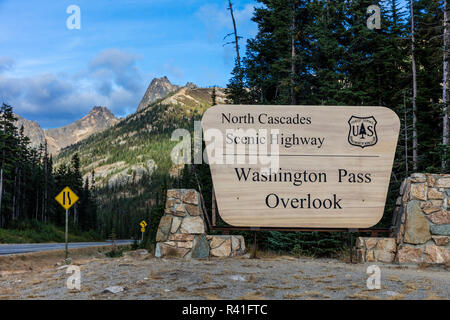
(300, 166)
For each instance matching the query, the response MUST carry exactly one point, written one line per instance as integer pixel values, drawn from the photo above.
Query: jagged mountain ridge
(158, 88)
(121, 154)
(98, 119)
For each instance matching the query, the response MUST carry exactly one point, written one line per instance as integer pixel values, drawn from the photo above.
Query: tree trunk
(236, 38)
(1, 193)
(414, 74)
(293, 55)
(445, 85)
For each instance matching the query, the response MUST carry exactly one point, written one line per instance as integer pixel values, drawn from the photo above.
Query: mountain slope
(32, 130)
(131, 160)
(98, 119)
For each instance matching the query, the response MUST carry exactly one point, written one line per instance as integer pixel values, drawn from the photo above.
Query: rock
(191, 197)
(235, 243)
(441, 229)
(168, 251)
(185, 244)
(431, 210)
(430, 180)
(173, 193)
(371, 243)
(164, 229)
(224, 250)
(370, 256)
(436, 254)
(181, 237)
(418, 177)
(176, 222)
(440, 217)
(200, 249)
(435, 194)
(216, 241)
(170, 203)
(417, 230)
(441, 240)
(386, 244)
(384, 256)
(443, 182)
(193, 225)
(114, 289)
(193, 210)
(179, 210)
(409, 254)
(418, 191)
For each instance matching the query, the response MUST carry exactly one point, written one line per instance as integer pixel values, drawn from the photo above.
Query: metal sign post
(143, 224)
(67, 198)
(67, 234)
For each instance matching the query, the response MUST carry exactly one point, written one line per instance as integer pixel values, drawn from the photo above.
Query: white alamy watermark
(235, 146)
(374, 280)
(74, 281)
(374, 20)
(74, 20)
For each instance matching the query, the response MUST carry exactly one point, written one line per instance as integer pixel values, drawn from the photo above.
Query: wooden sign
(300, 166)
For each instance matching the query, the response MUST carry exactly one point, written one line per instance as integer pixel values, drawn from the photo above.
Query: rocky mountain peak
(158, 88)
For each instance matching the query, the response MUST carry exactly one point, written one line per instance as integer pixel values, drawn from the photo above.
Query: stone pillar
(424, 230)
(182, 230)
(424, 233)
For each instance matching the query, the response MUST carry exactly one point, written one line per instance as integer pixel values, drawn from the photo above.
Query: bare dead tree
(236, 37)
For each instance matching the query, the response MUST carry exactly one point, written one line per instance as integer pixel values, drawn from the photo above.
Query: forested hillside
(131, 161)
(28, 185)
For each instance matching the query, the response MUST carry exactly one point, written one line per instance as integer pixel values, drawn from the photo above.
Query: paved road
(35, 247)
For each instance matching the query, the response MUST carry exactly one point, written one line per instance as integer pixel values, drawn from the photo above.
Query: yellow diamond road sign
(143, 224)
(66, 198)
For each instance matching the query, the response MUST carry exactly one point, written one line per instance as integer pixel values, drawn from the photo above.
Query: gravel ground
(145, 277)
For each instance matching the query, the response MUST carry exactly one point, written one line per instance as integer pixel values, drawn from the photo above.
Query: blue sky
(54, 75)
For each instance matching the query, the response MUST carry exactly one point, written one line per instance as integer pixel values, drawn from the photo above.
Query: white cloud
(111, 79)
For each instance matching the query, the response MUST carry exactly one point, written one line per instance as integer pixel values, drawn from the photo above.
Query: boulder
(436, 254)
(408, 254)
(191, 197)
(224, 250)
(164, 229)
(418, 191)
(417, 230)
(443, 182)
(441, 229)
(441, 240)
(193, 210)
(193, 225)
(200, 249)
(440, 217)
(435, 194)
(176, 222)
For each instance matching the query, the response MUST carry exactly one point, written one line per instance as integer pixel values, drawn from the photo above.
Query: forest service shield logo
(362, 131)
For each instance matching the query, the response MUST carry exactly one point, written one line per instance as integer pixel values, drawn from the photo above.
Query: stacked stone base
(424, 233)
(376, 249)
(181, 232)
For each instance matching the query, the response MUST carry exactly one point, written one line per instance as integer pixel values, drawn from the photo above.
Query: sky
(55, 75)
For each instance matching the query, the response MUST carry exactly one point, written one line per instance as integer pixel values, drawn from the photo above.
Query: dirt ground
(282, 277)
